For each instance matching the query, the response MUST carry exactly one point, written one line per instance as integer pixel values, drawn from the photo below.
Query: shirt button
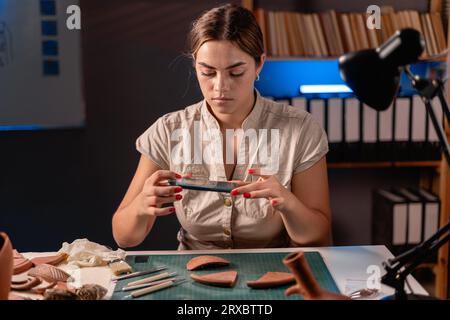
(227, 232)
(227, 202)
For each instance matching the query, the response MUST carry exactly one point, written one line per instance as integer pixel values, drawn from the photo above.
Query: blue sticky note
(48, 7)
(49, 28)
(51, 67)
(50, 48)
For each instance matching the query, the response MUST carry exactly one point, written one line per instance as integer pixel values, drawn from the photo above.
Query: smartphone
(203, 184)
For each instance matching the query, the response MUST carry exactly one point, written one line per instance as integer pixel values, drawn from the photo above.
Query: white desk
(347, 264)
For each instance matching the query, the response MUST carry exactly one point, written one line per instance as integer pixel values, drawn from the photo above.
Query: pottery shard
(206, 261)
(220, 279)
(49, 273)
(21, 264)
(271, 280)
(53, 260)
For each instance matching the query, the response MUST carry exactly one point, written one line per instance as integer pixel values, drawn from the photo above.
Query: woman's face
(226, 75)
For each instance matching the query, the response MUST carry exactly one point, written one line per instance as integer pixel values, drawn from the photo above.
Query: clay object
(30, 283)
(53, 260)
(206, 261)
(91, 292)
(307, 285)
(20, 263)
(49, 273)
(271, 280)
(219, 279)
(6, 265)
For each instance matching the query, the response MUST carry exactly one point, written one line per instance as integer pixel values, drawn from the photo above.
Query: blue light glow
(21, 128)
(324, 88)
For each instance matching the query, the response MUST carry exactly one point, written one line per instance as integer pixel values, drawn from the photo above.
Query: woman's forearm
(305, 226)
(130, 227)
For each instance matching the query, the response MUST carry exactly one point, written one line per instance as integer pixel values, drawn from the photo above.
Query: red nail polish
(172, 210)
(178, 197)
(178, 176)
(274, 202)
(247, 195)
(251, 171)
(234, 192)
(178, 189)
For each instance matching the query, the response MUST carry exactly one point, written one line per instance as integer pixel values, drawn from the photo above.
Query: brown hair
(228, 22)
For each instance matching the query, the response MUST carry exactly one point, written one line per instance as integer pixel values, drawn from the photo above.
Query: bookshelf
(426, 16)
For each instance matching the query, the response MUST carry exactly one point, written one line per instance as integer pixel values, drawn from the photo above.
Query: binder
(419, 144)
(369, 133)
(352, 120)
(402, 112)
(430, 216)
(369, 124)
(431, 212)
(299, 102)
(389, 219)
(385, 134)
(317, 110)
(335, 120)
(414, 217)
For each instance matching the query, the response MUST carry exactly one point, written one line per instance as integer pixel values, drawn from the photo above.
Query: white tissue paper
(85, 253)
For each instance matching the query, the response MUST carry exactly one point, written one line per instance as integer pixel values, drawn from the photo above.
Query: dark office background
(61, 185)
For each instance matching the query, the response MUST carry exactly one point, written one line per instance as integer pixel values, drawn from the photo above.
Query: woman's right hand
(156, 192)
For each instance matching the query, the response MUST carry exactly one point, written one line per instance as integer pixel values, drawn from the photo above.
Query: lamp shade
(374, 74)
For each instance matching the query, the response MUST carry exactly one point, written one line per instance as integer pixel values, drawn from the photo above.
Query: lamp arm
(444, 103)
(427, 90)
(395, 277)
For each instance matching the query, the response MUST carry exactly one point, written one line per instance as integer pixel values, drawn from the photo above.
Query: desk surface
(350, 266)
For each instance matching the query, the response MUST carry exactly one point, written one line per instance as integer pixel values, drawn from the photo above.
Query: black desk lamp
(374, 77)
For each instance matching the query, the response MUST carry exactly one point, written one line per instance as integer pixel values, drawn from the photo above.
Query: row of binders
(356, 132)
(404, 217)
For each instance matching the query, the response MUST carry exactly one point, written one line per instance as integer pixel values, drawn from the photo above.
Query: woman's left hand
(265, 187)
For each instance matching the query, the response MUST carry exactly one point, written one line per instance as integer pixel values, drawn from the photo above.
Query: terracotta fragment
(21, 265)
(271, 280)
(307, 285)
(6, 265)
(220, 279)
(49, 273)
(206, 261)
(30, 283)
(53, 260)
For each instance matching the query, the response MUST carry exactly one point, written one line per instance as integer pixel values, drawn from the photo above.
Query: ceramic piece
(6, 265)
(49, 273)
(53, 260)
(22, 265)
(271, 280)
(206, 261)
(30, 283)
(220, 279)
(307, 285)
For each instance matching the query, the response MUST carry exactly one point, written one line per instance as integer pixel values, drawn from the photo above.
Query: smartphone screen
(203, 184)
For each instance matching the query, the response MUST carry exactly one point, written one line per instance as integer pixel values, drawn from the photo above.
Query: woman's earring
(257, 77)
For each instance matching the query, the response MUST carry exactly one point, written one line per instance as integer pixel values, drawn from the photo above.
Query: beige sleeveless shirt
(213, 220)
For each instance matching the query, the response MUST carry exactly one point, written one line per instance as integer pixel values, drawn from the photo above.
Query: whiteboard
(40, 71)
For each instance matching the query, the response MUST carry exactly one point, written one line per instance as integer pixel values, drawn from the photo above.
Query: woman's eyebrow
(237, 64)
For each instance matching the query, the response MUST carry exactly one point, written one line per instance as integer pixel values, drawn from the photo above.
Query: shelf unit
(439, 183)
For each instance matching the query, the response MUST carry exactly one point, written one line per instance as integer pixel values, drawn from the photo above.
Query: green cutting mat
(250, 266)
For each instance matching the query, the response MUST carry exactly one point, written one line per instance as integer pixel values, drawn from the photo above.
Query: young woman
(285, 206)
